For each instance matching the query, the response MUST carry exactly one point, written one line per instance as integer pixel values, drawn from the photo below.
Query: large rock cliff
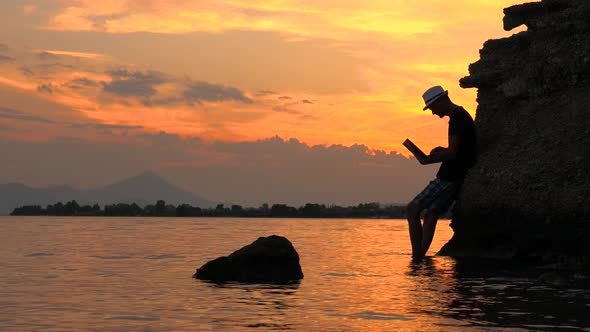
(528, 194)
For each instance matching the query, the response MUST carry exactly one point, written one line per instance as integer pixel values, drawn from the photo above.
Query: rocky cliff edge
(528, 194)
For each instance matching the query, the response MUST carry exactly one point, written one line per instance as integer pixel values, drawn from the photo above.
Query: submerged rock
(528, 195)
(271, 259)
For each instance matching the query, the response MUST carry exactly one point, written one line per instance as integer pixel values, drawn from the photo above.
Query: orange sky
(324, 72)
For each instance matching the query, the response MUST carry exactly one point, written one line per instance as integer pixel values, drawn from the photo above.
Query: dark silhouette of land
(143, 189)
(161, 209)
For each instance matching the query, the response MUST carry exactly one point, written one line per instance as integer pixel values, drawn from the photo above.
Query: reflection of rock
(529, 193)
(268, 259)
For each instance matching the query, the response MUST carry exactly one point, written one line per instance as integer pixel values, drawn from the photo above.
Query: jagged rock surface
(528, 194)
(271, 259)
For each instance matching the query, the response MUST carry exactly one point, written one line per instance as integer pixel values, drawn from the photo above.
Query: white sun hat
(432, 94)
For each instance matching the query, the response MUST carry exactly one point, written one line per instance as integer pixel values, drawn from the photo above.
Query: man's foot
(417, 258)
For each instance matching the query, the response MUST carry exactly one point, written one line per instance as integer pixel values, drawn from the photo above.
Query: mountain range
(145, 188)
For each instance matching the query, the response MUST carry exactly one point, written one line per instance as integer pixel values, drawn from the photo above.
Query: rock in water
(271, 259)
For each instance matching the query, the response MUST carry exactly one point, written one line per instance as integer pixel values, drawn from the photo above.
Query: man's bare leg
(415, 228)
(430, 219)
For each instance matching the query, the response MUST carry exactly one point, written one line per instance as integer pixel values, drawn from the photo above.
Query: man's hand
(424, 161)
(433, 157)
(437, 150)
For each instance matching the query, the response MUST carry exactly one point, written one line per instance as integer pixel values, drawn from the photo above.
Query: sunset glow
(327, 73)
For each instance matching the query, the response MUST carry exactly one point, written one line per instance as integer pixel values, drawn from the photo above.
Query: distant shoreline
(161, 209)
(211, 217)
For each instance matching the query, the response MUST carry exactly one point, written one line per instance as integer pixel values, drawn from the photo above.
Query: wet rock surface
(271, 259)
(528, 196)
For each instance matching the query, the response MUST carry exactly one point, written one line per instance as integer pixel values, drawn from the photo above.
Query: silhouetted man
(456, 159)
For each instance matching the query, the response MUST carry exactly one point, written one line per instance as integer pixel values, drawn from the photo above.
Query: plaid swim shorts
(439, 195)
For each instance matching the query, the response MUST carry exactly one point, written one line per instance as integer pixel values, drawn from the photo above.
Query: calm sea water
(134, 274)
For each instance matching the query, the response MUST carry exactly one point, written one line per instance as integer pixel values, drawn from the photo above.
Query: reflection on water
(506, 294)
(129, 274)
(260, 305)
(490, 295)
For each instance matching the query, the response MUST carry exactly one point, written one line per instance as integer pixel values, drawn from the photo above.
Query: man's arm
(439, 154)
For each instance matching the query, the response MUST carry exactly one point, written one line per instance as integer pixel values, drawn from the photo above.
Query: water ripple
(136, 318)
(272, 326)
(372, 315)
(336, 274)
(112, 257)
(164, 256)
(40, 254)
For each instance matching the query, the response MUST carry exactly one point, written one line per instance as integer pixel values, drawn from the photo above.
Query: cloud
(5, 58)
(286, 151)
(47, 88)
(54, 68)
(101, 22)
(269, 61)
(13, 114)
(272, 170)
(163, 138)
(202, 91)
(5, 128)
(125, 83)
(9, 113)
(26, 71)
(46, 56)
(342, 20)
(261, 93)
(103, 126)
(133, 84)
(279, 170)
(80, 82)
(286, 109)
(28, 101)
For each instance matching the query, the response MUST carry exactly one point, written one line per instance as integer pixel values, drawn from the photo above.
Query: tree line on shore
(161, 209)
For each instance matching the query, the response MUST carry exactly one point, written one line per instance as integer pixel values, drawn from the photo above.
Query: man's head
(438, 101)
